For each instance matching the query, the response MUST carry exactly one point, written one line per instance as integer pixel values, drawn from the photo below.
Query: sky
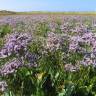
(48, 5)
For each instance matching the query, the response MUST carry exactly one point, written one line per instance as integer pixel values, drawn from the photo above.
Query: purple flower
(31, 58)
(10, 67)
(53, 41)
(15, 43)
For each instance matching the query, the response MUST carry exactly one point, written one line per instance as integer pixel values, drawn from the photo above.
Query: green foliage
(1, 42)
(58, 22)
(42, 29)
(4, 30)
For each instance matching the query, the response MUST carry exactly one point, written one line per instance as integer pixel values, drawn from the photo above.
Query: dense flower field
(47, 55)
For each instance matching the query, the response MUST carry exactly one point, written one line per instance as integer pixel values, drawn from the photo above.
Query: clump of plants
(46, 63)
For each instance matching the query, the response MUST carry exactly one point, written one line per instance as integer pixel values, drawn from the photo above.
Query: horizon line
(43, 11)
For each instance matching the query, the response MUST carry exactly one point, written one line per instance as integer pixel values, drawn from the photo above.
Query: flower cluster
(74, 43)
(31, 58)
(15, 43)
(10, 67)
(52, 41)
(89, 59)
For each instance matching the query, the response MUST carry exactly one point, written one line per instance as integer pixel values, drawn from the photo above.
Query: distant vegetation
(5, 12)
